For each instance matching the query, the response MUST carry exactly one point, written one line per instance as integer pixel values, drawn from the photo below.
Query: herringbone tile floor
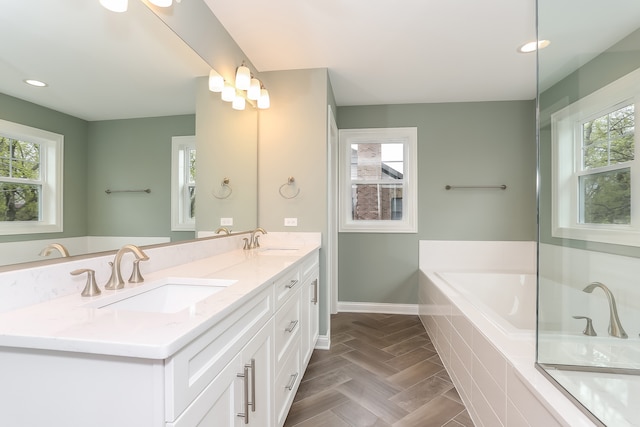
(381, 371)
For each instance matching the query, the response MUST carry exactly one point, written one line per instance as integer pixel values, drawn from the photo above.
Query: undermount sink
(279, 251)
(166, 296)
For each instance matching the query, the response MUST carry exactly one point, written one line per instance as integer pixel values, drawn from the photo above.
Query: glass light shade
(238, 103)
(115, 5)
(216, 81)
(228, 93)
(243, 78)
(263, 101)
(254, 90)
(161, 3)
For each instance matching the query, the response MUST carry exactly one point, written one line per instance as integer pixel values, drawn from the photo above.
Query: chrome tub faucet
(615, 327)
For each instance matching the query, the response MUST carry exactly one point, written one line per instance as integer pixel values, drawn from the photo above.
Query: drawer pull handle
(292, 284)
(291, 326)
(245, 381)
(314, 300)
(292, 382)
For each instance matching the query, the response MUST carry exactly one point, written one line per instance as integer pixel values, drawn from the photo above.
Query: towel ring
(223, 193)
(290, 182)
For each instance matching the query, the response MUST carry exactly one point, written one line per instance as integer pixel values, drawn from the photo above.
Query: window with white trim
(378, 180)
(183, 183)
(596, 176)
(31, 163)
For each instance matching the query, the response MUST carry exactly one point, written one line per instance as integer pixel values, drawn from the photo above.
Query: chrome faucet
(615, 327)
(57, 247)
(115, 281)
(254, 243)
(224, 230)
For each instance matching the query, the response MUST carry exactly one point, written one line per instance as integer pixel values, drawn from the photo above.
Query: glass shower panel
(588, 324)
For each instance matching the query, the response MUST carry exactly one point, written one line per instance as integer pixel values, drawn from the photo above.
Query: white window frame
(52, 166)
(180, 201)
(566, 141)
(408, 136)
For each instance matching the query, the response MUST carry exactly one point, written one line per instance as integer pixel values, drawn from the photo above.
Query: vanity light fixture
(238, 102)
(246, 89)
(115, 5)
(216, 81)
(243, 77)
(228, 93)
(36, 83)
(263, 101)
(253, 93)
(533, 46)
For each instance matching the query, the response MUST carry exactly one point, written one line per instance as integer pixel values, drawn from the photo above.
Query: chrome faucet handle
(256, 242)
(246, 244)
(136, 276)
(588, 330)
(91, 289)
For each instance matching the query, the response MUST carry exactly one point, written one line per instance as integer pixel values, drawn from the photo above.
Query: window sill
(626, 236)
(29, 228)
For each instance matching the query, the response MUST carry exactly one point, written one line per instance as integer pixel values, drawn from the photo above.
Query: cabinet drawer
(286, 285)
(189, 371)
(288, 322)
(287, 383)
(309, 266)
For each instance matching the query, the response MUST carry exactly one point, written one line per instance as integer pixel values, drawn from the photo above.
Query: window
(596, 179)
(183, 183)
(378, 180)
(30, 180)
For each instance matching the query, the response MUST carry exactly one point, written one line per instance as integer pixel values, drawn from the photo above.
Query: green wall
(483, 143)
(617, 61)
(133, 154)
(75, 133)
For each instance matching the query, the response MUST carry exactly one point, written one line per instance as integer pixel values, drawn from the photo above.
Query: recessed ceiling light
(36, 83)
(532, 46)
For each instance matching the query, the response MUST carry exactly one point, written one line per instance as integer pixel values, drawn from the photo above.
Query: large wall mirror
(120, 86)
(589, 252)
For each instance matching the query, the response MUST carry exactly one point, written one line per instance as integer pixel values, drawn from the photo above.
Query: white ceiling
(393, 52)
(376, 51)
(98, 64)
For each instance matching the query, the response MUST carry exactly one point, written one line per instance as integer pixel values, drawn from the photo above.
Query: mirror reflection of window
(30, 179)
(183, 183)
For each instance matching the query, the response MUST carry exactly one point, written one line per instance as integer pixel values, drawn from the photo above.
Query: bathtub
(508, 300)
(483, 326)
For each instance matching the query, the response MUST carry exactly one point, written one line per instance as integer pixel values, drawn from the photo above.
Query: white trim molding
(377, 307)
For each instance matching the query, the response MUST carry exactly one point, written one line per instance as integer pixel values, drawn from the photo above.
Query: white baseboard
(373, 307)
(323, 343)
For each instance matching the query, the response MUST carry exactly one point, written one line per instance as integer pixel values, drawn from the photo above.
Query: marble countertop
(73, 323)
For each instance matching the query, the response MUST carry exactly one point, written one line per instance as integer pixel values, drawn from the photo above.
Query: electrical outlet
(226, 221)
(291, 222)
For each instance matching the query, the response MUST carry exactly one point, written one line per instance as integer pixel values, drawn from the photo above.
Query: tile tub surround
(51, 314)
(494, 374)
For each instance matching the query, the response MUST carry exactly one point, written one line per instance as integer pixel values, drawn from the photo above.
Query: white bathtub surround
(493, 371)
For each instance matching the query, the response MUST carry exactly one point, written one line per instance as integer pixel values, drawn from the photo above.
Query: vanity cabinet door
(218, 404)
(257, 358)
(241, 394)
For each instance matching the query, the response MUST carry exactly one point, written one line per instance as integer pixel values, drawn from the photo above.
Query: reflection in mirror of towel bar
(147, 190)
(453, 187)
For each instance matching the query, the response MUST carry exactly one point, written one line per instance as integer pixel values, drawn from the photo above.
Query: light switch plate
(226, 221)
(291, 222)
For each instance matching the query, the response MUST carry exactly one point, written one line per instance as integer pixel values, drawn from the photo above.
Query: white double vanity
(214, 336)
